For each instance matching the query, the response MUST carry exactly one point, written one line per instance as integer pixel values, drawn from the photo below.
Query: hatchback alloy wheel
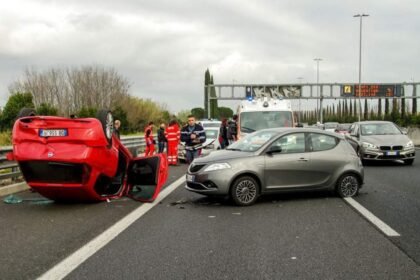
(348, 185)
(245, 191)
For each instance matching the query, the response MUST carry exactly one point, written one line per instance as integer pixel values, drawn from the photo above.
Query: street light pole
(360, 60)
(300, 82)
(319, 117)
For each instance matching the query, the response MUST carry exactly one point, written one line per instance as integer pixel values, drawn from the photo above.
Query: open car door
(146, 176)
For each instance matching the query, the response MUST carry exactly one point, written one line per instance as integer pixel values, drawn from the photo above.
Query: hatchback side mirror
(274, 150)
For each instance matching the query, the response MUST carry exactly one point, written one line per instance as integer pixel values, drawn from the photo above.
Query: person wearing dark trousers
(194, 136)
(117, 125)
(161, 138)
(223, 138)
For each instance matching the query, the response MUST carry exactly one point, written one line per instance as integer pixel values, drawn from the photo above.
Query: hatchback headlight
(369, 146)
(217, 166)
(409, 144)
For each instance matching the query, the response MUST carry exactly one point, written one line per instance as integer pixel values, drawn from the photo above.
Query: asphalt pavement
(189, 236)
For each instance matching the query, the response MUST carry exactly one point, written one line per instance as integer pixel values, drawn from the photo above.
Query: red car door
(146, 176)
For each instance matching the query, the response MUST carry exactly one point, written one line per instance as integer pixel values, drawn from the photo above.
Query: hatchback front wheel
(348, 185)
(244, 191)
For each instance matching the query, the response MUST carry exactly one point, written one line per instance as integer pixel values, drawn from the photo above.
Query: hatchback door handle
(303, 159)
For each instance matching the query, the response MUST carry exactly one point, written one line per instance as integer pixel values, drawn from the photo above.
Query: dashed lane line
(70, 263)
(387, 230)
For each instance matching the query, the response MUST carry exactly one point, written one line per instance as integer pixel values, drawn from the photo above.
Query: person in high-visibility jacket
(173, 135)
(150, 142)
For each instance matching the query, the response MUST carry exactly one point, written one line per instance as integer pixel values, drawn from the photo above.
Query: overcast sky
(164, 47)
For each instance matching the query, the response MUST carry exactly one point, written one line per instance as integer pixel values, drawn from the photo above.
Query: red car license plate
(52, 132)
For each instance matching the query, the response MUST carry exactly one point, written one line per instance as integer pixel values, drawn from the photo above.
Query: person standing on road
(173, 135)
(150, 142)
(232, 129)
(161, 138)
(223, 139)
(117, 125)
(193, 135)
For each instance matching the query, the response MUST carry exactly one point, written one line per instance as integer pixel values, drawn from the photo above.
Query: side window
(291, 143)
(321, 142)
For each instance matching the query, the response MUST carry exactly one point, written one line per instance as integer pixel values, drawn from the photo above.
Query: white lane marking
(70, 263)
(387, 230)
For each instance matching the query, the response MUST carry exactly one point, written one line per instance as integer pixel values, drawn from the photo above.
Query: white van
(265, 112)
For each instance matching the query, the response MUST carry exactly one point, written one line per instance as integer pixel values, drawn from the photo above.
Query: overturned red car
(80, 159)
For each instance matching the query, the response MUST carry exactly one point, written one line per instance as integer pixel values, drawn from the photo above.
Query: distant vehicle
(211, 143)
(67, 159)
(262, 113)
(330, 126)
(381, 140)
(210, 123)
(343, 128)
(212, 140)
(278, 160)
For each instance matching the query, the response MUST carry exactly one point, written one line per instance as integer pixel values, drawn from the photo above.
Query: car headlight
(369, 146)
(409, 144)
(217, 166)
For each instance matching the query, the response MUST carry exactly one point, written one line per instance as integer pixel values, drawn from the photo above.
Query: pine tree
(366, 111)
(213, 102)
(380, 108)
(206, 99)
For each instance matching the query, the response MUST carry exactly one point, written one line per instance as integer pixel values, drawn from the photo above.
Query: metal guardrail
(10, 169)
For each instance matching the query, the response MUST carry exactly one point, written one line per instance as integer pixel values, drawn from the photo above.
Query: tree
(395, 114)
(86, 112)
(225, 113)
(16, 102)
(213, 102)
(206, 91)
(198, 113)
(380, 108)
(366, 111)
(71, 89)
(46, 110)
(182, 116)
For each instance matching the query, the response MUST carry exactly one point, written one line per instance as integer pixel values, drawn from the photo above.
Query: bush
(6, 138)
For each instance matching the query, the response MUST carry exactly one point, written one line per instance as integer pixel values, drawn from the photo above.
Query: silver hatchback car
(275, 160)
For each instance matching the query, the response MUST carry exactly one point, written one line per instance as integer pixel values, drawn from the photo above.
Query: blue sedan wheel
(244, 191)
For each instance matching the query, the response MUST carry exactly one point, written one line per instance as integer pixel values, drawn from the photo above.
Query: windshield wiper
(247, 129)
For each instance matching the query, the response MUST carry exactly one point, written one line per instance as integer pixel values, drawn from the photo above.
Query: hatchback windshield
(379, 129)
(252, 142)
(252, 121)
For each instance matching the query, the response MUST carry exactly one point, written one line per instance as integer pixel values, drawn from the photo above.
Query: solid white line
(70, 263)
(387, 230)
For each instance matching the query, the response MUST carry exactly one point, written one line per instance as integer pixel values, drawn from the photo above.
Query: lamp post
(360, 60)
(300, 97)
(319, 117)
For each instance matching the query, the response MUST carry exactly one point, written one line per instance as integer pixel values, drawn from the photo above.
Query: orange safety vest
(173, 133)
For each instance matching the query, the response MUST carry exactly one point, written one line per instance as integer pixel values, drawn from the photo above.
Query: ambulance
(264, 112)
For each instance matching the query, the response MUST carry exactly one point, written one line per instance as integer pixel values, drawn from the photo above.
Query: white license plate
(52, 132)
(391, 153)
(190, 178)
